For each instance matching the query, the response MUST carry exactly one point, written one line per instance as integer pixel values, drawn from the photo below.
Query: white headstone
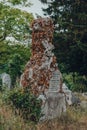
(6, 80)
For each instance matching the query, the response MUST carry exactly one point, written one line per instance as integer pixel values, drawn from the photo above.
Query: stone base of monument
(54, 105)
(54, 102)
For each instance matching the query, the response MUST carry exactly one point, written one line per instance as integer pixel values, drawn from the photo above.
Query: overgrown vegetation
(74, 119)
(15, 37)
(13, 59)
(14, 23)
(70, 36)
(24, 103)
(78, 84)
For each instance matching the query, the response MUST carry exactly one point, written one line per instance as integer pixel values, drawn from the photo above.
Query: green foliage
(13, 59)
(14, 2)
(19, 2)
(0, 84)
(70, 37)
(75, 82)
(5, 51)
(26, 104)
(14, 67)
(14, 23)
(80, 85)
(43, 1)
(8, 51)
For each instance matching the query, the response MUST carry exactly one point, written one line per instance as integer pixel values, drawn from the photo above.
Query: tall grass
(74, 119)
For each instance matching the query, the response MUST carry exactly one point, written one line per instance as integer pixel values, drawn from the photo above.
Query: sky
(36, 7)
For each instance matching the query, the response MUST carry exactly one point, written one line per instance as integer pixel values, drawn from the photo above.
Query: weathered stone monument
(41, 73)
(6, 80)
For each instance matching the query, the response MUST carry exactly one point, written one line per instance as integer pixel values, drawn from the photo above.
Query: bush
(79, 85)
(25, 103)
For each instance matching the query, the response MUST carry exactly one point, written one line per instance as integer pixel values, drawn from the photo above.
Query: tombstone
(75, 100)
(41, 74)
(6, 80)
(68, 94)
(84, 95)
(83, 104)
(71, 99)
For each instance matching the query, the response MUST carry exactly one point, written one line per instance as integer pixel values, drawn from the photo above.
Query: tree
(18, 2)
(14, 23)
(70, 37)
(13, 59)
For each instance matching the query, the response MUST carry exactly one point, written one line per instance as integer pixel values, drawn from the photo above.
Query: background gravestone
(6, 80)
(41, 73)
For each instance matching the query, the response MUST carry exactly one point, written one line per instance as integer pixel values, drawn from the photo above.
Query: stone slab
(55, 81)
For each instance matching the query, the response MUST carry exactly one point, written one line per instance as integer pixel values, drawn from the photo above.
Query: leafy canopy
(70, 37)
(18, 2)
(14, 23)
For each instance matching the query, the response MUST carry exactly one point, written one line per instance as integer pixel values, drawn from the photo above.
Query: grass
(74, 119)
(10, 121)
